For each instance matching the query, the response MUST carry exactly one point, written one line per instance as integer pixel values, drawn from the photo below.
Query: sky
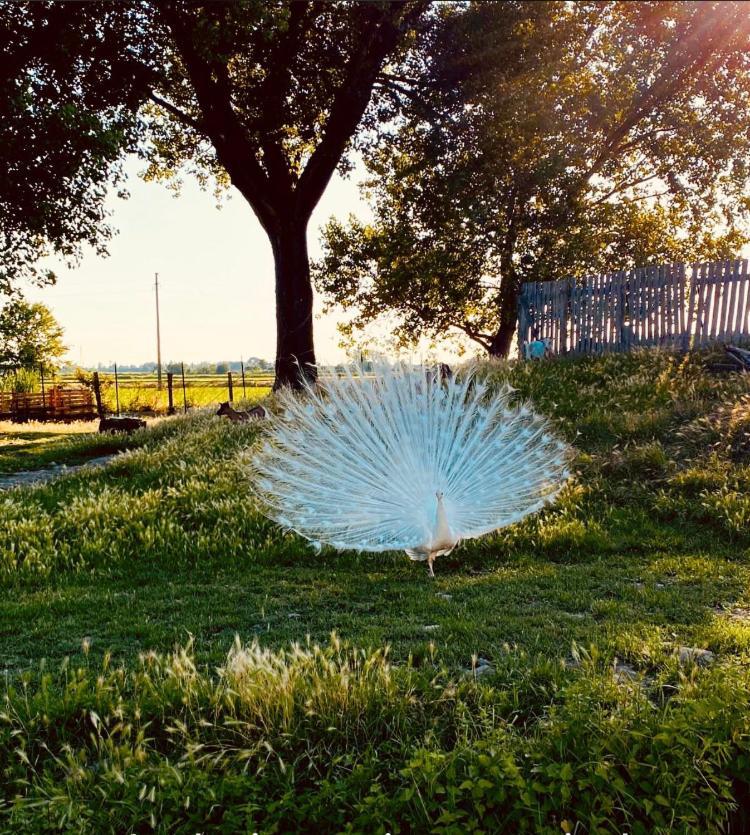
(216, 279)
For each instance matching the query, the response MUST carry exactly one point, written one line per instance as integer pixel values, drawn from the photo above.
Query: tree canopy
(30, 336)
(534, 141)
(265, 95)
(68, 111)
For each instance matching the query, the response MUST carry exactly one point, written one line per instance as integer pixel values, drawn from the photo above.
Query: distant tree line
(251, 364)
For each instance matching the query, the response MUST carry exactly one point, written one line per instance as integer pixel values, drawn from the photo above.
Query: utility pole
(158, 334)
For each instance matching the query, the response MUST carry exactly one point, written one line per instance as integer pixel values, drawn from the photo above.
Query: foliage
(540, 140)
(263, 95)
(30, 336)
(68, 102)
(631, 563)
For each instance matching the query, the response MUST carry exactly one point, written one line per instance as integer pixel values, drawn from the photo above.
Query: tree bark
(500, 345)
(295, 352)
(501, 341)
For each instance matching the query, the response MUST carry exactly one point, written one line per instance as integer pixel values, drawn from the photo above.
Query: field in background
(138, 393)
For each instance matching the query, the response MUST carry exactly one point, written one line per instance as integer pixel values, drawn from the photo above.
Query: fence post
(184, 393)
(41, 376)
(564, 315)
(244, 390)
(98, 395)
(692, 308)
(170, 393)
(230, 386)
(117, 392)
(522, 318)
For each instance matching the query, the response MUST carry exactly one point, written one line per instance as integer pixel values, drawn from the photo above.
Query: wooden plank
(699, 311)
(562, 346)
(644, 305)
(737, 300)
(708, 302)
(725, 282)
(731, 301)
(668, 306)
(653, 292)
(681, 279)
(675, 303)
(583, 340)
(661, 281)
(690, 312)
(648, 328)
(635, 308)
(577, 318)
(670, 309)
(619, 313)
(731, 317)
(609, 313)
(559, 314)
(596, 318)
(714, 283)
(744, 324)
(523, 317)
(595, 313)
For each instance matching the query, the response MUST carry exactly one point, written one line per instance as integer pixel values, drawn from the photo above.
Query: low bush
(336, 739)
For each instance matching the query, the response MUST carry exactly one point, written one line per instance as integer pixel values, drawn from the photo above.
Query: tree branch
(387, 83)
(696, 47)
(176, 112)
(234, 149)
(349, 105)
(622, 187)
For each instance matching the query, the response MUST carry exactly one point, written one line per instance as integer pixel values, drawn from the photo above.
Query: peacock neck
(442, 535)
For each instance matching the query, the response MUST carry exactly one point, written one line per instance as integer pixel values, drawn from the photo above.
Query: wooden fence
(60, 404)
(675, 305)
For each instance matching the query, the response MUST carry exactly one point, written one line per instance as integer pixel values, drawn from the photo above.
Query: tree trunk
(500, 345)
(295, 353)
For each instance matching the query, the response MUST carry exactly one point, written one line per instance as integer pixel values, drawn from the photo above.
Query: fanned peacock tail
(357, 462)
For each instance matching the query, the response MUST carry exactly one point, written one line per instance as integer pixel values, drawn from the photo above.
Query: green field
(131, 709)
(139, 393)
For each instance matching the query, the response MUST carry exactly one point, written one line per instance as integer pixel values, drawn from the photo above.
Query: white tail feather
(357, 462)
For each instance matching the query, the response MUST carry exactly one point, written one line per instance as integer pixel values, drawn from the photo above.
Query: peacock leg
(430, 561)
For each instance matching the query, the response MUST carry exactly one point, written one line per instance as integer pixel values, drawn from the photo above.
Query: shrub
(335, 739)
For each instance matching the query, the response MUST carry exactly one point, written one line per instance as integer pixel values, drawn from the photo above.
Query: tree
(543, 140)
(30, 336)
(68, 111)
(266, 95)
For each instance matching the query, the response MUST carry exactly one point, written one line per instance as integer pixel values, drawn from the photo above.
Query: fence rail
(672, 305)
(56, 404)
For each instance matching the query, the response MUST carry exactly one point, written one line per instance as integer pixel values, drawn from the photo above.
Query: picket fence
(673, 305)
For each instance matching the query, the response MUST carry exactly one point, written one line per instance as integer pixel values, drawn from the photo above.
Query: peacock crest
(404, 460)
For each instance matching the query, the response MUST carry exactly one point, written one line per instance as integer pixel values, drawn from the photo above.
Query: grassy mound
(591, 710)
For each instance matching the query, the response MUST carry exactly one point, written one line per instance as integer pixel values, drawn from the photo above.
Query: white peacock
(405, 461)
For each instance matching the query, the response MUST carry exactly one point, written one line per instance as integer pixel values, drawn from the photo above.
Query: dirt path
(25, 477)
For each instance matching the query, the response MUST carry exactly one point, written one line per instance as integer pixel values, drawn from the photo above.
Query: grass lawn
(31, 446)
(587, 716)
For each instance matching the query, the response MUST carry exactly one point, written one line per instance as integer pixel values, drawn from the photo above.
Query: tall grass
(335, 739)
(645, 549)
